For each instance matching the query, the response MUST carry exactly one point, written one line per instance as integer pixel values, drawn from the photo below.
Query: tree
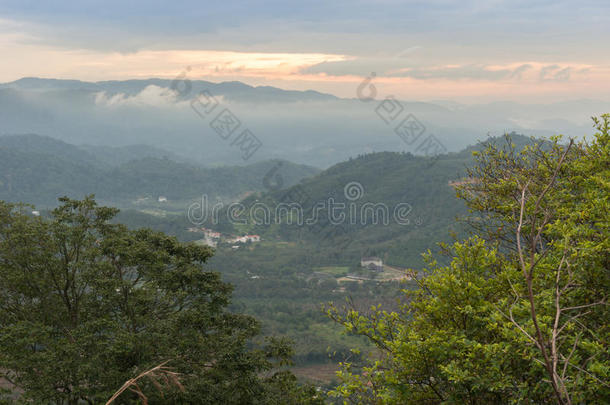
(86, 305)
(520, 315)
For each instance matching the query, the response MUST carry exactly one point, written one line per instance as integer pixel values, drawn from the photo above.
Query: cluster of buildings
(141, 200)
(207, 232)
(210, 233)
(214, 237)
(245, 239)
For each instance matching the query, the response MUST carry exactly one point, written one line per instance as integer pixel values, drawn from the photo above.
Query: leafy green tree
(86, 305)
(520, 314)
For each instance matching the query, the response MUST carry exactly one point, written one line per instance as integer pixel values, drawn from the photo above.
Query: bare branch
(170, 379)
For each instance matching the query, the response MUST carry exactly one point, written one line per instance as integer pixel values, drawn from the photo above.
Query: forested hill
(416, 193)
(98, 156)
(37, 169)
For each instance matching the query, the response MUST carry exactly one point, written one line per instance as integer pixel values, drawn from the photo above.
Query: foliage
(520, 314)
(86, 305)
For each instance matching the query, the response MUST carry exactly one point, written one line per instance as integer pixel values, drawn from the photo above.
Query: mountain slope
(229, 90)
(32, 143)
(402, 205)
(40, 178)
(37, 170)
(99, 156)
(387, 204)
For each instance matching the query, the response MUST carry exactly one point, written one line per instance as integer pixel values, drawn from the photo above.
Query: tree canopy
(520, 314)
(86, 305)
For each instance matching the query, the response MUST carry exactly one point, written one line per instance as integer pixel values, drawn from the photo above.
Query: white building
(372, 263)
(244, 239)
(211, 234)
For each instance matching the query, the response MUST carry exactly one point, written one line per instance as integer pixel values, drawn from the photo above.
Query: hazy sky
(473, 51)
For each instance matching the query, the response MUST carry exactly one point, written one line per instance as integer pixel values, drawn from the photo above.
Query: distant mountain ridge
(38, 169)
(99, 156)
(306, 127)
(233, 90)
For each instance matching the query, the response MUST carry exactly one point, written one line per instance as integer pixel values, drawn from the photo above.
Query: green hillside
(38, 170)
(385, 181)
(418, 187)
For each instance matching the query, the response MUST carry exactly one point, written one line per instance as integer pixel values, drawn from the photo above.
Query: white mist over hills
(302, 126)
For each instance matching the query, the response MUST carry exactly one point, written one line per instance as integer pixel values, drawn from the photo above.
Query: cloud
(150, 96)
(393, 67)
(353, 67)
(46, 61)
(461, 72)
(341, 26)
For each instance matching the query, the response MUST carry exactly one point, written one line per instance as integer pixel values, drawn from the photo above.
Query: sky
(467, 51)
